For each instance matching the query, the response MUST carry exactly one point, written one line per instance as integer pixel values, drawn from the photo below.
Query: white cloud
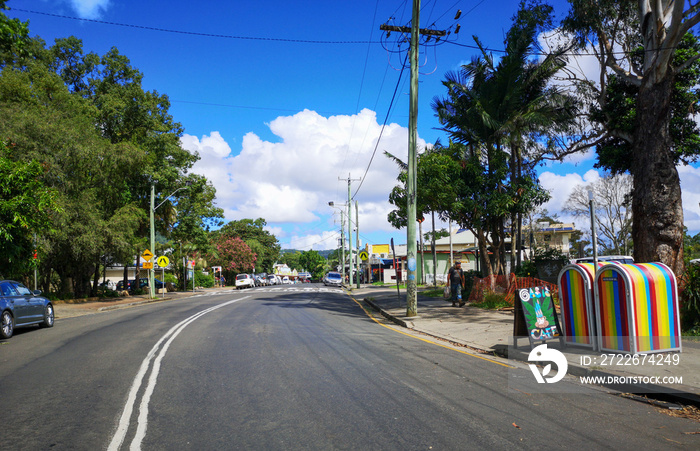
(561, 186)
(90, 9)
(292, 181)
(690, 186)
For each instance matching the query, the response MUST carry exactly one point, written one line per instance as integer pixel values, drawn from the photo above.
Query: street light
(342, 238)
(151, 273)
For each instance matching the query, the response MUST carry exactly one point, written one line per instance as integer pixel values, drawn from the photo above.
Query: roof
(460, 237)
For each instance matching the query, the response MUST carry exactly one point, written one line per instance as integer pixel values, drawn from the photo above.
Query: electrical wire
(191, 33)
(381, 132)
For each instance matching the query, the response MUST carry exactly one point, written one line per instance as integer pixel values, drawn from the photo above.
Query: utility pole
(342, 246)
(411, 289)
(357, 243)
(350, 180)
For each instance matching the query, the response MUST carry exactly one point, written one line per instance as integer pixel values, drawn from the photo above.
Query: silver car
(333, 278)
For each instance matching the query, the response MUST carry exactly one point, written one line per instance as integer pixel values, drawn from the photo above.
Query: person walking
(456, 277)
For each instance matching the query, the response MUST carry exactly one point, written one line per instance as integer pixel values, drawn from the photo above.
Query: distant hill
(323, 254)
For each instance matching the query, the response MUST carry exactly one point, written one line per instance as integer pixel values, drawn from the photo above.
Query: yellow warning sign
(147, 255)
(364, 255)
(163, 261)
(147, 265)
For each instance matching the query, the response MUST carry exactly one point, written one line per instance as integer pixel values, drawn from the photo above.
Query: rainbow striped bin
(637, 308)
(576, 304)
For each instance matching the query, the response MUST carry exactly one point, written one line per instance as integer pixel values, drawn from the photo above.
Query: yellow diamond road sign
(364, 255)
(147, 255)
(163, 261)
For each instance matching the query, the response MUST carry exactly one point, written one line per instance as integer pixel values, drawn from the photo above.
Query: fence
(508, 285)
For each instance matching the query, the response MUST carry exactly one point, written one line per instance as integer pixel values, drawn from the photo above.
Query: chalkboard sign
(540, 316)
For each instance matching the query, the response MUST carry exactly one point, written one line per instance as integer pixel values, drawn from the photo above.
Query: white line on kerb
(142, 422)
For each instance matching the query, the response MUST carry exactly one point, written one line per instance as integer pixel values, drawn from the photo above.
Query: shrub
(201, 280)
(526, 269)
(492, 301)
(690, 299)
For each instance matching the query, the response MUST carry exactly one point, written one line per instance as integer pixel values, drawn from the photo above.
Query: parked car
(260, 281)
(244, 281)
(20, 307)
(626, 259)
(143, 284)
(120, 285)
(271, 280)
(107, 285)
(286, 281)
(333, 278)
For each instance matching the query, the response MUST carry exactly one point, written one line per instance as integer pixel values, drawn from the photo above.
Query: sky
(285, 101)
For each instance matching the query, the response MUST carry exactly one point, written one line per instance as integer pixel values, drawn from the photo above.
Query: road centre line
(368, 313)
(142, 422)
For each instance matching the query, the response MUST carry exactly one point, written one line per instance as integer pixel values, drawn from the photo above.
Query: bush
(492, 301)
(526, 269)
(104, 292)
(469, 283)
(170, 278)
(205, 281)
(690, 299)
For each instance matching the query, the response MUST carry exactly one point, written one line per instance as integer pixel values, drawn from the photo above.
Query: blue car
(20, 307)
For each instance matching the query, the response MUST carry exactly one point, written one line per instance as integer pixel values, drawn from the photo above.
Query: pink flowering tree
(235, 255)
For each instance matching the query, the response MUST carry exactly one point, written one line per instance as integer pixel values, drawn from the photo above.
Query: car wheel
(7, 325)
(48, 316)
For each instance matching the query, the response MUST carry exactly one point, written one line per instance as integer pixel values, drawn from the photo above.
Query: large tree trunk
(657, 210)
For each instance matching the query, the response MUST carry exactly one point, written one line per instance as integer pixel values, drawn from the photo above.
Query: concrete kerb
(411, 325)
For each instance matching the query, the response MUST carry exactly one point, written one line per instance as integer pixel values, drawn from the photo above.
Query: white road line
(142, 422)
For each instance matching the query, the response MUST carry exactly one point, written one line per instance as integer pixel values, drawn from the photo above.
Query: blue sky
(283, 99)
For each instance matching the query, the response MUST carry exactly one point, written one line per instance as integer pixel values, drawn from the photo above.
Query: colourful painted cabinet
(637, 308)
(576, 304)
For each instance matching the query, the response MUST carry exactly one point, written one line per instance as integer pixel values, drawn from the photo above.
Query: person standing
(456, 277)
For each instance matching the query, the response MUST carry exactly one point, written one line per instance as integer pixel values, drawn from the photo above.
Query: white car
(244, 281)
(285, 280)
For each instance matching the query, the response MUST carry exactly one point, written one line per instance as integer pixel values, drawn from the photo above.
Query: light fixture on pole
(594, 240)
(151, 276)
(342, 237)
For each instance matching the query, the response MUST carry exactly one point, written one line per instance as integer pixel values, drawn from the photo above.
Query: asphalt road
(296, 368)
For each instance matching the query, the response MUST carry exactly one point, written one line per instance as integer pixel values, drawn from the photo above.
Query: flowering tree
(235, 255)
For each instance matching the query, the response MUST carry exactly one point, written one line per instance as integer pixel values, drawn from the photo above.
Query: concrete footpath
(491, 332)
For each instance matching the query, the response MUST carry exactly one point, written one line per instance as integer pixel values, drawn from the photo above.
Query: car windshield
(333, 275)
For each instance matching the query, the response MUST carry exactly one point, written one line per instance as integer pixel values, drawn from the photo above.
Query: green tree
(14, 38)
(314, 263)
(691, 245)
(650, 32)
(291, 259)
(49, 125)
(27, 207)
(492, 112)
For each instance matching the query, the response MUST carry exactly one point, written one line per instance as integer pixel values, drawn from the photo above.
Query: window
(7, 289)
(21, 289)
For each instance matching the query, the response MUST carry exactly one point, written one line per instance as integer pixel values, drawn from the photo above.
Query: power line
(192, 33)
(381, 132)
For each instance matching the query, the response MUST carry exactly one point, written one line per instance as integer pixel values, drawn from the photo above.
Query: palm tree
(497, 111)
